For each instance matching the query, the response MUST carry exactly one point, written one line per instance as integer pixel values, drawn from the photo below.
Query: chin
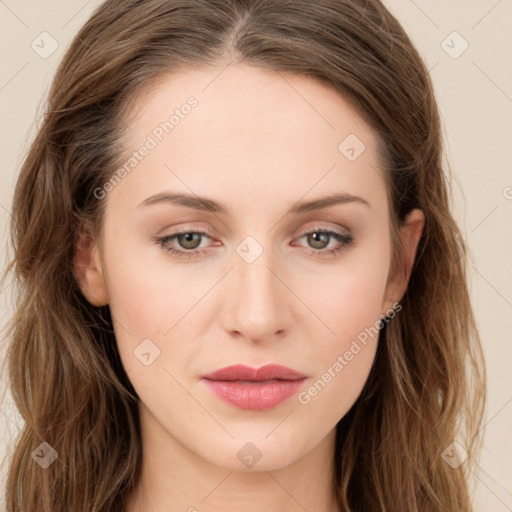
(256, 451)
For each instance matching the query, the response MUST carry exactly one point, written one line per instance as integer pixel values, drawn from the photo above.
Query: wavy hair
(426, 388)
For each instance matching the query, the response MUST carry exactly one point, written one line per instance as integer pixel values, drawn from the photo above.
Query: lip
(255, 389)
(242, 372)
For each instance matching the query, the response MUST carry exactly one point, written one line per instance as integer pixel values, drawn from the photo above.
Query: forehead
(250, 130)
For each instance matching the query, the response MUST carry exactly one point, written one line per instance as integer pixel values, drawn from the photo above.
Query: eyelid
(323, 227)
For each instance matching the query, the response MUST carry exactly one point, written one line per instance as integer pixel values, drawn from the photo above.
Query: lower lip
(255, 395)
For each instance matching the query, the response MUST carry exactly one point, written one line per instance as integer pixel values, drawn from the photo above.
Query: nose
(257, 302)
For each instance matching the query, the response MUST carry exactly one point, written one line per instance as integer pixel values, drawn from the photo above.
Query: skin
(257, 142)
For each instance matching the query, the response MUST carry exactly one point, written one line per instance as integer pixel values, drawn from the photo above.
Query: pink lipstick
(254, 389)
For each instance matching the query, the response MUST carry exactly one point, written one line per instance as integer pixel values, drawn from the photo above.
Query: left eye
(320, 238)
(188, 242)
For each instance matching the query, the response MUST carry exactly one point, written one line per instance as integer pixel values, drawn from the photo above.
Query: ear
(401, 268)
(88, 269)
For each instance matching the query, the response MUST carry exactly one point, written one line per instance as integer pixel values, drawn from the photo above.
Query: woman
(240, 282)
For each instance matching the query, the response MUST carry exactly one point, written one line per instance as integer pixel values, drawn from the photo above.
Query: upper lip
(242, 372)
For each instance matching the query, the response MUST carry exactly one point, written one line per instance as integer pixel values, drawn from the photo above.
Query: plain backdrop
(467, 46)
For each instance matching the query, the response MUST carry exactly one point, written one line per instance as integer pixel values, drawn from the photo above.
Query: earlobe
(88, 270)
(401, 269)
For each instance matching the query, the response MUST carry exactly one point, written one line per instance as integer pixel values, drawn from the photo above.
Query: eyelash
(346, 240)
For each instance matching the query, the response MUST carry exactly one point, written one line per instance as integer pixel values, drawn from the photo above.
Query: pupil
(188, 239)
(317, 239)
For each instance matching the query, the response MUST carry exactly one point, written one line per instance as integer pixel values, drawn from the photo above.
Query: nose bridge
(257, 304)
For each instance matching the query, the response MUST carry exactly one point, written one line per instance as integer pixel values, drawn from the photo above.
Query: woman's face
(246, 160)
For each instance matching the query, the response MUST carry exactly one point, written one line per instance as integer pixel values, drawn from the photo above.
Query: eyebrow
(208, 205)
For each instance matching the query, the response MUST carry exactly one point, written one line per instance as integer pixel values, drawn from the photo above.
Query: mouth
(255, 389)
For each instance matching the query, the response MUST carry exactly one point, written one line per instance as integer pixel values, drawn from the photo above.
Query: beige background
(474, 92)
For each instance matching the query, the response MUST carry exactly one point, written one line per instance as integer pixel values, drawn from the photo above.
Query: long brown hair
(427, 385)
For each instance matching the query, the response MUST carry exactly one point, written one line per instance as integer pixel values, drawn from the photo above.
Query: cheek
(338, 384)
(145, 302)
(140, 304)
(349, 304)
(347, 300)
(345, 353)
(148, 293)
